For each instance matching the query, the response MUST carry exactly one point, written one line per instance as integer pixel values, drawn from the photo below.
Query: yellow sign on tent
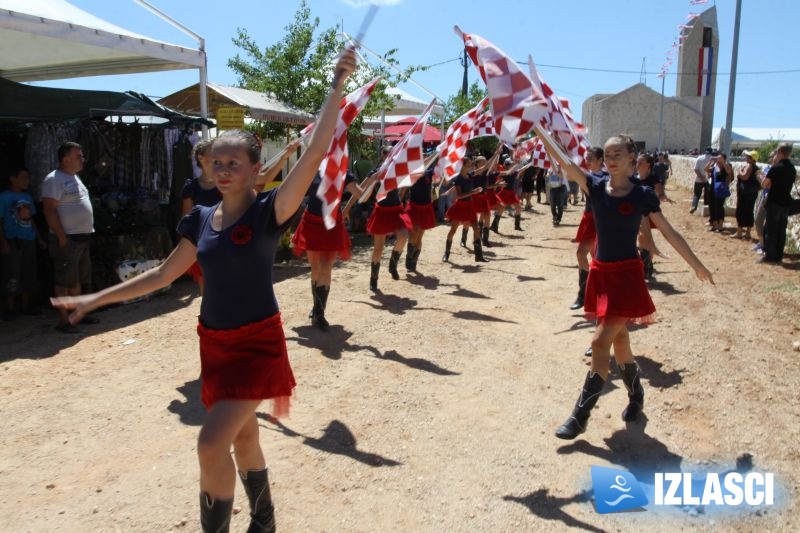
(230, 117)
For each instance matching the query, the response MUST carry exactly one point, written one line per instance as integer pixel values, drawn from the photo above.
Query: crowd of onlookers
(763, 197)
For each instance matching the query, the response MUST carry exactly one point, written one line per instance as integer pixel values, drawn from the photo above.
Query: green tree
(298, 70)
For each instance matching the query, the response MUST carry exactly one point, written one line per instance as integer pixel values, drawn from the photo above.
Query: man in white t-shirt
(68, 211)
(700, 177)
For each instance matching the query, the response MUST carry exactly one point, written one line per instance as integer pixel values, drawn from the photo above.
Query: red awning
(396, 131)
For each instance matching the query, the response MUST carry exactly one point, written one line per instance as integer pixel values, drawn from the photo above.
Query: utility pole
(465, 81)
(643, 73)
(661, 116)
(725, 140)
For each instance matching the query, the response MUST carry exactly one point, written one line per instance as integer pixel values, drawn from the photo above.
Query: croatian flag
(704, 68)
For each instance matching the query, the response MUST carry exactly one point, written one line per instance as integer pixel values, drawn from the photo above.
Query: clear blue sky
(613, 34)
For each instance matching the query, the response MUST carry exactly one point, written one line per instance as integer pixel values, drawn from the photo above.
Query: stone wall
(683, 176)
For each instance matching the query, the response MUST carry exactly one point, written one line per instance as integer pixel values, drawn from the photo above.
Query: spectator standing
(747, 187)
(701, 177)
(721, 175)
(761, 205)
(69, 214)
(557, 193)
(780, 178)
(18, 238)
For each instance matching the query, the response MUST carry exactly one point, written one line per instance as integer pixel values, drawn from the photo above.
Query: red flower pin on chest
(241, 234)
(625, 208)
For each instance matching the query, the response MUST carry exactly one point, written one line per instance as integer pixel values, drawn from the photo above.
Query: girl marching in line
(616, 292)
(200, 191)
(420, 211)
(486, 200)
(322, 246)
(508, 196)
(388, 216)
(242, 345)
(462, 212)
(585, 237)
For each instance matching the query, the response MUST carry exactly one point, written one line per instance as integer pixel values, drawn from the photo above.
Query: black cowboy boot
(447, 245)
(215, 515)
(630, 376)
(393, 264)
(647, 259)
(576, 423)
(410, 254)
(485, 237)
(517, 219)
(464, 237)
(373, 276)
(479, 252)
(262, 512)
(583, 275)
(320, 302)
(416, 256)
(495, 227)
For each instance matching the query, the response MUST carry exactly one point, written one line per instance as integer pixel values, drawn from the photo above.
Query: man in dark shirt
(780, 179)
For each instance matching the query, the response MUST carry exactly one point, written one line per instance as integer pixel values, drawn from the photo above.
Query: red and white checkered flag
(484, 125)
(516, 103)
(524, 149)
(406, 163)
(454, 147)
(560, 122)
(334, 165)
(539, 156)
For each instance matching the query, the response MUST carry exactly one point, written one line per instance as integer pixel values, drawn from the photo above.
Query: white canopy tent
(52, 39)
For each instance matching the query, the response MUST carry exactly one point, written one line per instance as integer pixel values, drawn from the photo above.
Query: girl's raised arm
(294, 187)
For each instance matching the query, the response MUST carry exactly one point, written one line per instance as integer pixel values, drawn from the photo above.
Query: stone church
(688, 117)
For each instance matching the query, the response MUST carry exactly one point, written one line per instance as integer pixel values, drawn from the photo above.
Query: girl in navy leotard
(462, 212)
(200, 191)
(615, 291)
(419, 209)
(585, 237)
(322, 246)
(242, 346)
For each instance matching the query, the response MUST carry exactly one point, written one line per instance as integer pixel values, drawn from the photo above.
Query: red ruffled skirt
(480, 202)
(492, 199)
(617, 288)
(586, 229)
(421, 215)
(462, 211)
(312, 236)
(385, 220)
(246, 363)
(508, 197)
(195, 272)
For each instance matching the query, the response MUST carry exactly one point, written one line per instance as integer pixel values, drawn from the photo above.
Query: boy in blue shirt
(18, 238)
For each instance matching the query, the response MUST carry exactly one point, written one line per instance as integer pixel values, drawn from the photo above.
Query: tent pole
(204, 88)
(202, 45)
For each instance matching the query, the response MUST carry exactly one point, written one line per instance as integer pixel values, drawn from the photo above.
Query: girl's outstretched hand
(703, 274)
(78, 304)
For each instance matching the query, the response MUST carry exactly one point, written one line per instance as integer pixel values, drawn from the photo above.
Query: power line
(619, 71)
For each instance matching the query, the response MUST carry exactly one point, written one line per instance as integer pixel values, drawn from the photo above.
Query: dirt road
(429, 406)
